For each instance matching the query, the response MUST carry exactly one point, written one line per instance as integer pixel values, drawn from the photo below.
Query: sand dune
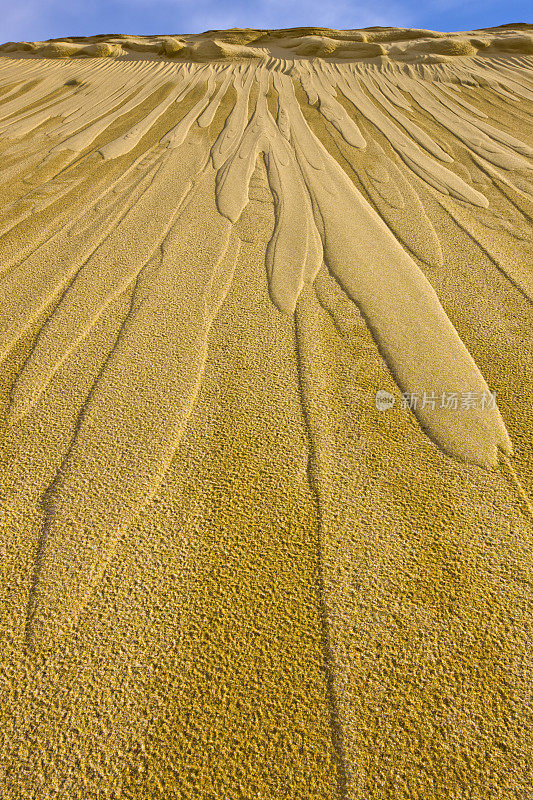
(398, 44)
(229, 573)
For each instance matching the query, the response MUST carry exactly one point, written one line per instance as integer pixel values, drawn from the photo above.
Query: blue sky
(32, 20)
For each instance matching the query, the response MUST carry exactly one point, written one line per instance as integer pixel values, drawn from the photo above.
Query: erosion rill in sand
(228, 572)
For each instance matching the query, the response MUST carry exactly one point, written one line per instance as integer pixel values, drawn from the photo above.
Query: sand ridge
(319, 191)
(397, 44)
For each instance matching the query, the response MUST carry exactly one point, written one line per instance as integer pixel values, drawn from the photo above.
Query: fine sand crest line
(123, 188)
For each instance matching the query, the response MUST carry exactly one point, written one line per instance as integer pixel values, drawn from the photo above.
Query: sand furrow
(43, 276)
(37, 94)
(114, 91)
(419, 136)
(316, 400)
(177, 135)
(507, 245)
(43, 206)
(132, 244)
(230, 136)
(66, 100)
(78, 142)
(332, 110)
(398, 203)
(399, 305)
(483, 139)
(434, 173)
(165, 335)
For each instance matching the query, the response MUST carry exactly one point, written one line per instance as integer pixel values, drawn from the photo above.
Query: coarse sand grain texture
(266, 403)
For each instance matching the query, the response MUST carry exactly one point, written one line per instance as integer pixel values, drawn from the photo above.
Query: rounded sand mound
(400, 44)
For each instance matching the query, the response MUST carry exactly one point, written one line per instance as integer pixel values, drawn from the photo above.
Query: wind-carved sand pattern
(149, 156)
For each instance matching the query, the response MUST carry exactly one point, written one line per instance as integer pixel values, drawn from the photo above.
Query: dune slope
(266, 414)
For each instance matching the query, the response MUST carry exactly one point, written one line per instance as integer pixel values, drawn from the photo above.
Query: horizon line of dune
(396, 44)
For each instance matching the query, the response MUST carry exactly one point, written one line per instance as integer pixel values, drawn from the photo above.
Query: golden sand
(227, 574)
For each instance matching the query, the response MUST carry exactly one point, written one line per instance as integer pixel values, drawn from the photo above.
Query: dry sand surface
(227, 574)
